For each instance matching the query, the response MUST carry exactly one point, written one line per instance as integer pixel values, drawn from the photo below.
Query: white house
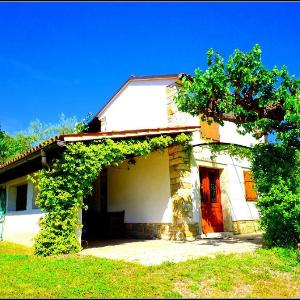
(143, 192)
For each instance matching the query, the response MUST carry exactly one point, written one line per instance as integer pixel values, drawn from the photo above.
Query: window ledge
(24, 212)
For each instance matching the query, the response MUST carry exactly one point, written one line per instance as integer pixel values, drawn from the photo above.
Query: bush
(276, 170)
(280, 216)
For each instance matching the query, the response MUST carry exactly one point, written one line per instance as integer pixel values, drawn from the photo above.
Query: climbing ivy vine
(237, 151)
(62, 188)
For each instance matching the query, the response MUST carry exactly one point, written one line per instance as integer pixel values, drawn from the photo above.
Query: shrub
(276, 170)
(280, 215)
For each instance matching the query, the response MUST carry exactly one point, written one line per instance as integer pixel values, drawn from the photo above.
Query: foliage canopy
(244, 92)
(260, 102)
(36, 133)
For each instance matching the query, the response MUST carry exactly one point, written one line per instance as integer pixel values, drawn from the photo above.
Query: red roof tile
(100, 135)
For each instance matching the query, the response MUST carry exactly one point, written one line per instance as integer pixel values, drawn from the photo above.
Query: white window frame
(30, 193)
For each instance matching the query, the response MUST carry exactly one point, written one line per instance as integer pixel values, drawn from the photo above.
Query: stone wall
(181, 186)
(172, 109)
(245, 226)
(166, 231)
(176, 117)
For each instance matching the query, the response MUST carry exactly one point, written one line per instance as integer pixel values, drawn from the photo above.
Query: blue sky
(71, 57)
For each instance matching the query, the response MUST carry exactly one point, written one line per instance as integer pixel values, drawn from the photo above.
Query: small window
(249, 187)
(213, 187)
(21, 198)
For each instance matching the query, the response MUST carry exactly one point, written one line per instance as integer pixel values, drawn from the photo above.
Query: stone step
(215, 235)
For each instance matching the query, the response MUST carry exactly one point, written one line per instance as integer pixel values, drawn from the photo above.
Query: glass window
(212, 187)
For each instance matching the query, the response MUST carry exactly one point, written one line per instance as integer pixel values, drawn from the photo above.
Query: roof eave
(31, 156)
(59, 141)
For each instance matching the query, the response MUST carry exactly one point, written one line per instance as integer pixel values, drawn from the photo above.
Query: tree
(260, 102)
(36, 133)
(11, 146)
(244, 92)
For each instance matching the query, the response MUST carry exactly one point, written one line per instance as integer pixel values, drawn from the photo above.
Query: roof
(60, 140)
(128, 133)
(133, 78)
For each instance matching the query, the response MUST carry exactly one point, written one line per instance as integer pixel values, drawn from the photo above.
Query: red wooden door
(211, 207)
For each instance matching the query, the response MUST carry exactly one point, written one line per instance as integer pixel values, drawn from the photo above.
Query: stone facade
(165, 231)
(245, 226)
(171, 106)
(180, 179)
(182, 227)
(181, 193)
(175, 117)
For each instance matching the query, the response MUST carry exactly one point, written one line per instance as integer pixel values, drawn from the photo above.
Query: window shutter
(209, 131)
(249, 186)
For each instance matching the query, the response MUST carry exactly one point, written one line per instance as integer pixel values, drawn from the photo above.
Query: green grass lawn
(264, 273)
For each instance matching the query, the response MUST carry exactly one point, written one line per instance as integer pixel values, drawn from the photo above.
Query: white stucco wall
(143, 191)
(142, 104)
(20, 226)
(229, 134)
(241, 209)
(234, 204)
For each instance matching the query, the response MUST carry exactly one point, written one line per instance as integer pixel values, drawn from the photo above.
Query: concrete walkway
(153, 252)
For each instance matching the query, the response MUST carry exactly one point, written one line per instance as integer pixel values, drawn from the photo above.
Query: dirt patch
(185, 288)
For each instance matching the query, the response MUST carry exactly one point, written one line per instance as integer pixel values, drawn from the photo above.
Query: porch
(131, 200)
(154, 252)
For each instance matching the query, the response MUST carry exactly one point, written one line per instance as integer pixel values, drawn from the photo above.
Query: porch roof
(31, 160)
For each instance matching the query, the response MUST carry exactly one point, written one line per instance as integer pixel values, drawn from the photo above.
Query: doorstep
(215, 235)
